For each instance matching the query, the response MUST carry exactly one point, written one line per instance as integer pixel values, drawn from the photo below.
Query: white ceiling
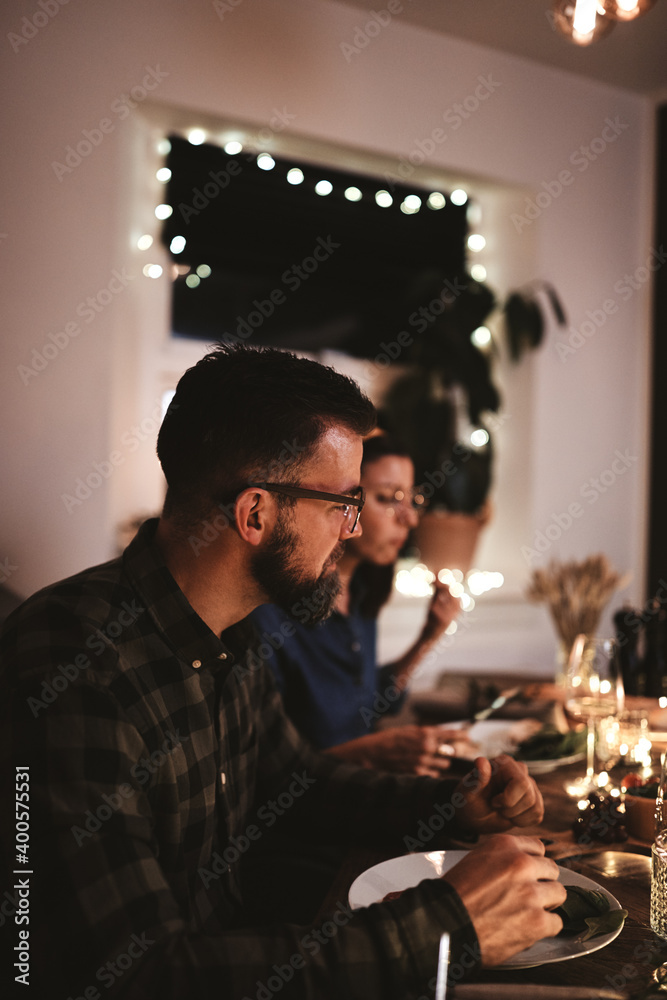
(632, 56)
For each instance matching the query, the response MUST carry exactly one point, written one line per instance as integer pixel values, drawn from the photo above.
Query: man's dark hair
(244, 415)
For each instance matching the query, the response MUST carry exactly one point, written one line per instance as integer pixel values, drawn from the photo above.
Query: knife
(512, 991)
(496, 703)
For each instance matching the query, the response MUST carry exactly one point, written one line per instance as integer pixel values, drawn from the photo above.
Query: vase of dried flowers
(576, 594)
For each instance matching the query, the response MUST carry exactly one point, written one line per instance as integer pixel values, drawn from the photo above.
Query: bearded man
(157, 753)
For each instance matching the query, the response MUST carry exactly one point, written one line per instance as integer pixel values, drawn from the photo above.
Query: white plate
(495, 736)
(492, 736)
(402, 873)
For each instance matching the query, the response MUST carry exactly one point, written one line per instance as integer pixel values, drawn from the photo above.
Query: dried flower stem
(576, 594)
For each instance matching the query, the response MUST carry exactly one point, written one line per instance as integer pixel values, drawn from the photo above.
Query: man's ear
(255, 515)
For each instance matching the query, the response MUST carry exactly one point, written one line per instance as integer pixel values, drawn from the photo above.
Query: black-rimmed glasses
(348, 503)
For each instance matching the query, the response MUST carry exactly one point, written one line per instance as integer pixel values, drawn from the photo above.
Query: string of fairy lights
(413, 579)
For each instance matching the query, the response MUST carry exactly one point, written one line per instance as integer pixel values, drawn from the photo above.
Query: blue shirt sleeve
(327, 673)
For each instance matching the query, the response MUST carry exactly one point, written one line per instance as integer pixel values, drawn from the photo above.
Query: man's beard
(285, 586)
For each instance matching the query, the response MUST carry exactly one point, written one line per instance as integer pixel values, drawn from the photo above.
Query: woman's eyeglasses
(397, 500)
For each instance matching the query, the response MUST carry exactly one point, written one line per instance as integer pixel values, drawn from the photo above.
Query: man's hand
(499, 794)
(405, 749)
(508, 887)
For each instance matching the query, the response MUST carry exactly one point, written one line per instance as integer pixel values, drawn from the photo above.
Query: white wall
(62, 239)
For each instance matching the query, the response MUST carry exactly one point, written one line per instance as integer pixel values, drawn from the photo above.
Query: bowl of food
(639, 795)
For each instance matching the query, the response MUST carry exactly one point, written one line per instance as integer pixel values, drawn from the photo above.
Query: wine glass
(594, 691)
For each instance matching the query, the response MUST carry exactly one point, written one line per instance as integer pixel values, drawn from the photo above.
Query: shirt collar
(181, 626)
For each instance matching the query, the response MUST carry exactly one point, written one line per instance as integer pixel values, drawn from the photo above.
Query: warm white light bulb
(481, 337)
(479, 438)
(152, 270)
(458, 197)
(585, 13)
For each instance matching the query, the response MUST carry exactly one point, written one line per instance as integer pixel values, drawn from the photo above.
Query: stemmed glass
(594, 691)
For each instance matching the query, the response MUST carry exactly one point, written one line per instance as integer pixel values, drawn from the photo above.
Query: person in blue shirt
(327, 673)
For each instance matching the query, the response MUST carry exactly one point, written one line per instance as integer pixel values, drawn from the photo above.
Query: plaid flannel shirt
(157, 756)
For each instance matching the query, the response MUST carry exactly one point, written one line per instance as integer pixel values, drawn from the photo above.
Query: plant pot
(448, 539)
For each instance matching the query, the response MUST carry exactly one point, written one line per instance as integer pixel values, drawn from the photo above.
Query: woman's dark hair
(244, 415)
(374, 583)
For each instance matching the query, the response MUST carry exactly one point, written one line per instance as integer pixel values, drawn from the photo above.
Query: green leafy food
(586, 912)
(549, 744)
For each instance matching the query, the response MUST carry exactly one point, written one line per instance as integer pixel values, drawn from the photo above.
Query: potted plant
(442, 403)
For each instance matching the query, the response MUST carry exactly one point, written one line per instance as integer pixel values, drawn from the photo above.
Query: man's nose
(346, 533)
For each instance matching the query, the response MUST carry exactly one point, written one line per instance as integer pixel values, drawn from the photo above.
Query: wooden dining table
(623, 868)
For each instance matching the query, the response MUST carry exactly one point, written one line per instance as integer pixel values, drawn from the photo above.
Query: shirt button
(355, 647)
(196, 664)
(222, 656)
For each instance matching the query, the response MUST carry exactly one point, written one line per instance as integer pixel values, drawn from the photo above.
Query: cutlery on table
(514, 991)
(497, 703)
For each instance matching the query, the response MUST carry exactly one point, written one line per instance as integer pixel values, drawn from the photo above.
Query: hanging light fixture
(582, 21)
(628, 10)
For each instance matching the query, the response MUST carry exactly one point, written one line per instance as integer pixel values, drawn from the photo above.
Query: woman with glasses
(332, 688)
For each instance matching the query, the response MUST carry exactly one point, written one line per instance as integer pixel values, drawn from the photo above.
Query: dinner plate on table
(410, 869)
